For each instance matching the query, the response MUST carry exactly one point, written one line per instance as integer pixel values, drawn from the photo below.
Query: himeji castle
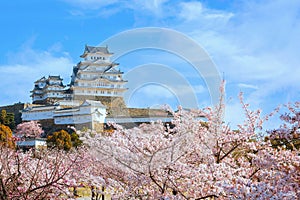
(96, 76)
(93, 78)
(92, 98)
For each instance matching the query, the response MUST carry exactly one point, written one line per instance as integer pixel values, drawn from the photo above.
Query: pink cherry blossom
(31, 129)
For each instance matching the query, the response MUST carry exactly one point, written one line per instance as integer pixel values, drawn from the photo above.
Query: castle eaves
(91, 49)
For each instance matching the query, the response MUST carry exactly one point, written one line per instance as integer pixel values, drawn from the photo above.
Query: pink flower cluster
(197, 156)
(195, 159)
(31, 129)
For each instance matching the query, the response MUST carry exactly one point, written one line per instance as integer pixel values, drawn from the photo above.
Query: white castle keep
(95, 76)
(93, 97)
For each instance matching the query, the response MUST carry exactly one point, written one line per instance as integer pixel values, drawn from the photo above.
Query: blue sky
(254, 44)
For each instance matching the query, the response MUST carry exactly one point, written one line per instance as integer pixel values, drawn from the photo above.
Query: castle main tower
(96, 77)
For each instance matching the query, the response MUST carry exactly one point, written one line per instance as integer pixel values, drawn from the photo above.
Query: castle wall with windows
(92, 98)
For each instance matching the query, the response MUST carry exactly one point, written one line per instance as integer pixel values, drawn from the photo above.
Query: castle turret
(49, 90)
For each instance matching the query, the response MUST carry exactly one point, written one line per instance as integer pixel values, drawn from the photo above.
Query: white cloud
(255, 42)
(256, 45)
(243, 85)
(92, 4)
(258, 42)
(105, 8)
(195, 15)
(154, 6)
(28, 65)
(191, 10)
(195, 11)
(94, 8)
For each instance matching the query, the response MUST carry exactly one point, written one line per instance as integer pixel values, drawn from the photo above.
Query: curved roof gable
(92, 103)
(91, 49)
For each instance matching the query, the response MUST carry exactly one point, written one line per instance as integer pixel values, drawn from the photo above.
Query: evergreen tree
(6, 137)
(60, 139)
(76, 142)
(8, 119)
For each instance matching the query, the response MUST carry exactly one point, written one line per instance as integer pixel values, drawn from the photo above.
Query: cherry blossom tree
(195, 160)
(288, 134)
(31, 129)
(45, 174)
(195, 157)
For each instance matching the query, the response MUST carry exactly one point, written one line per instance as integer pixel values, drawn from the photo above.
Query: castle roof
(91, 49)
(92, 103)
(54, 77)
(43, 79)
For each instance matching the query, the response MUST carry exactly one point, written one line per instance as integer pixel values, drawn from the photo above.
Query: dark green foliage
(7, 119)
(6, 137)
(60, 139)
(76, 142)
(64, 140)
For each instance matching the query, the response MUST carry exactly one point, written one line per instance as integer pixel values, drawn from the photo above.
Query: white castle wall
(85, 113)
(38, 113)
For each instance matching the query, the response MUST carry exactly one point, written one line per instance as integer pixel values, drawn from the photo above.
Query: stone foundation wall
(49, 127)
(99, 127)
(107, 101)
(114, 105)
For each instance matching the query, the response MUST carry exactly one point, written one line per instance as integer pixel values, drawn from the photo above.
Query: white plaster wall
(99, 114)
(93, 93)
(38, 98)
(40, 143)
(76, 119)
(33, 143)
(32, 115)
